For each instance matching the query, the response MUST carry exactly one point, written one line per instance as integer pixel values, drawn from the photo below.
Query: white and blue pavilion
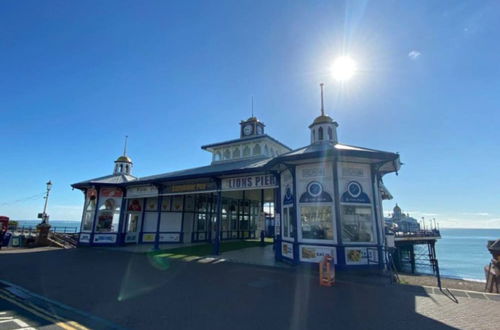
(324, 198)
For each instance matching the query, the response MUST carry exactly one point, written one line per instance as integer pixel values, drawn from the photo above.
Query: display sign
(288, 199)
(111, 192)
(360, 256)
(287, 250)
(249, 182)
(104, 238)
(134, 205)
(84, 238)
(315, 253)
(354, 193)
(131, 238)
(142, 191)
(148, 237)
(315, 194)
(170, 237)
(191, 187)
(91, 193)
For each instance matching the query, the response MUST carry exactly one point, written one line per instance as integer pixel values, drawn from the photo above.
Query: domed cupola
(323, 128)
(397, 210)
(123, 165)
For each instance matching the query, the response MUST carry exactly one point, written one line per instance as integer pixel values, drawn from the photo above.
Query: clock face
(247, 130)
(259, 130)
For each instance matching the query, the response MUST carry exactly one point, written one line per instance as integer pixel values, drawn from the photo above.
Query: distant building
(399, 221)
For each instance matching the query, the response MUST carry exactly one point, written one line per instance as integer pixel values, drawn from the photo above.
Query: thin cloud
(414, 54)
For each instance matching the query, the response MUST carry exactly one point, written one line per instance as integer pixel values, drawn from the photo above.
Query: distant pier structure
(413, 244)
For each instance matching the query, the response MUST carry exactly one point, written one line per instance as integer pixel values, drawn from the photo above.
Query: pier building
(323, 198)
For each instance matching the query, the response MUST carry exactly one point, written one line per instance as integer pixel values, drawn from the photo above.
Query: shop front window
(316, 222)
(132, 223)
(88, 216)
(109, 215)
(357, 224)
(287, 222)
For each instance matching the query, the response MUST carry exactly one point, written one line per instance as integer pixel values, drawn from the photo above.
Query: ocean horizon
(461, 252)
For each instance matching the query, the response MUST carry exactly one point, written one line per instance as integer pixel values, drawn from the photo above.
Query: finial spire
(125, 147)
(322, 107)
(252, 105)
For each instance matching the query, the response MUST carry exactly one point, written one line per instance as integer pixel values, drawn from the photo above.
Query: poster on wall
(170, 237)
(287, 250)
(131, 238)
(354, 193)
(111, 192)
(361, 256)
(84, 238)
(151, 204)
(315, 194)
(103, 238)
(315, 253)
(315, 183)
(148, 238)
(134, 205)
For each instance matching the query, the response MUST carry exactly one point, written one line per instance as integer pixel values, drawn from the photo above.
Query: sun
(343, 68)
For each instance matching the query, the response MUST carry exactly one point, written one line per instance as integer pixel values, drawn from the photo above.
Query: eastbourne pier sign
(262, 181)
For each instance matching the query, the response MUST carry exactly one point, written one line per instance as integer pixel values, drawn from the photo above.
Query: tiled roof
(214, 169)
(108, 179)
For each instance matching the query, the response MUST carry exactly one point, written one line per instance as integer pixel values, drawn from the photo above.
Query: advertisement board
(104, 238)
(360, 255)
(315, 253)
(84, 238)
(170, 237)
(148, 238)
(287, 250)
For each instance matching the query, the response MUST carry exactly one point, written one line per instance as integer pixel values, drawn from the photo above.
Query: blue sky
(75, 77)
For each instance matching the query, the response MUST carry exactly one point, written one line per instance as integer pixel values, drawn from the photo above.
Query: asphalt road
(138, 292)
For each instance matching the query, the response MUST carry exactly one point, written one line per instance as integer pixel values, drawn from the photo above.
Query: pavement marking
(57, 320)
(11, 319)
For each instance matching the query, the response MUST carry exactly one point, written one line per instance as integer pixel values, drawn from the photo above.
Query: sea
(461, 253)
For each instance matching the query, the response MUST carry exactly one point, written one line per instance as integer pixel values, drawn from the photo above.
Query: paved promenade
(139, 292)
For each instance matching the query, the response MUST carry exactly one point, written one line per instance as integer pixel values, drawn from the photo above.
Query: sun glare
(343, 68)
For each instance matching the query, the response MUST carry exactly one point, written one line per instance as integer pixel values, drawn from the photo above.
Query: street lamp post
(44, 227)
(45, 217)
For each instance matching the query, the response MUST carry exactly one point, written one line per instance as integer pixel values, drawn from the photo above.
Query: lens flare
(343, 68)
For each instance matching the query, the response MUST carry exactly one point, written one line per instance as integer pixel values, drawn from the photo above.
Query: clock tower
(251, 127)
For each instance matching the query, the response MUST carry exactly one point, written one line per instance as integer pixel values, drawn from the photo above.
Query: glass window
(287, 226)
(316, 222)
(256, 150)
(357, 223)
(88, 218)
(177, 203)
(166, 203)
(134, 205)
(132, 223)
(109, 215)
(152, 204)
(246, 151)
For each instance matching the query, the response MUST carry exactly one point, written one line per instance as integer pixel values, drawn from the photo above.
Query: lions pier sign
(249, 182)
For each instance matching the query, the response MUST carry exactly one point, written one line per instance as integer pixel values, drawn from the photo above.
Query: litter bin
(15, 241)
(6, 239)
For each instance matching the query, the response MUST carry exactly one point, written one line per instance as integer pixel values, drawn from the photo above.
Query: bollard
(327, 271)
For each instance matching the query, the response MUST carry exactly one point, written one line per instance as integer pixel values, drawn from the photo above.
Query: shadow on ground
(141, 291)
